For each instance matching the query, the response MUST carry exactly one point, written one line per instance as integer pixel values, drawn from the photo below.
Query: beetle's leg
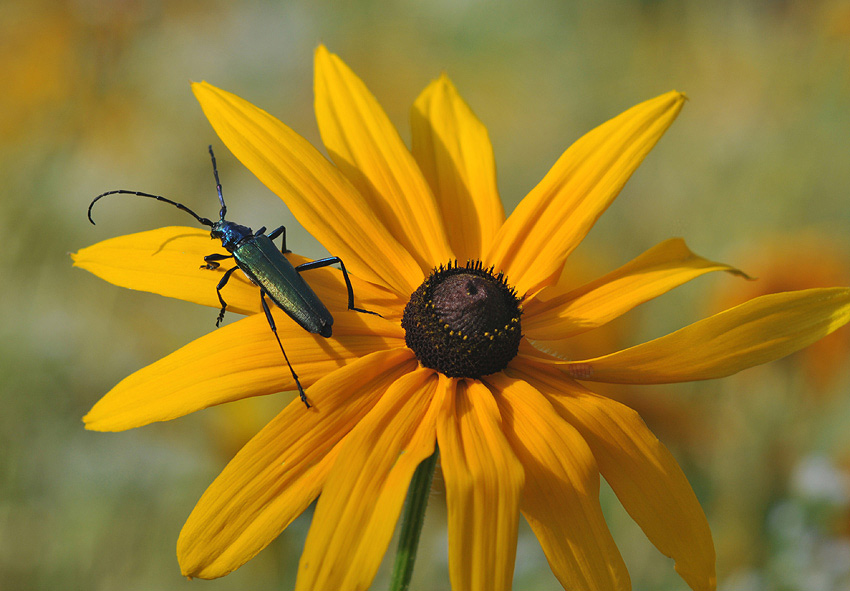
(274, 330)
(280, 232)
(330, 261)
(218, 288)
(261, 231)
(211, 260)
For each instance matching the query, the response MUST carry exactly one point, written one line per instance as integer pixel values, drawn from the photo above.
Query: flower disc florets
(464, 321)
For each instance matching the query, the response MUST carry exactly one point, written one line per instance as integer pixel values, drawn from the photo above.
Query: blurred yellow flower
(516, 432)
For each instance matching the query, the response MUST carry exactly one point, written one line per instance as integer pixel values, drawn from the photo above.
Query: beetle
(259, 259)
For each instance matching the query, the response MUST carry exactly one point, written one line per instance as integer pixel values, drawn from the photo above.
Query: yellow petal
(558, 312)
(641, 471)
(282, 469)
(362, 498)
(454, 152)
(236, 361)
(167, 261)
(551, 221)
(368, 150)
(758, 331)
(561, 495)
(318, 195)
(484, 480)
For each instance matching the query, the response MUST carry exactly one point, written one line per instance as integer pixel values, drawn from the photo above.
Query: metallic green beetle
(264, 265)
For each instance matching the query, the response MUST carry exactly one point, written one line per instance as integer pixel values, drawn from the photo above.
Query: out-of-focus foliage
(95, 97)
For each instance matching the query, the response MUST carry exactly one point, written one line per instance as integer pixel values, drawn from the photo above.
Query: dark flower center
(463, 321)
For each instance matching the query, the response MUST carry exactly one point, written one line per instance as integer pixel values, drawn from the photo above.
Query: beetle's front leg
(212, 260)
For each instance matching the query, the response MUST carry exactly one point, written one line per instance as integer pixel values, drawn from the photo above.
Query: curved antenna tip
(180, 206)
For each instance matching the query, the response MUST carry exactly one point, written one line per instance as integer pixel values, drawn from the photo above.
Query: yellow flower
(527, 438)
(793, 261)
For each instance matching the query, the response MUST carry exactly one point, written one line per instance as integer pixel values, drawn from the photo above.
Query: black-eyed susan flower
(464, 296)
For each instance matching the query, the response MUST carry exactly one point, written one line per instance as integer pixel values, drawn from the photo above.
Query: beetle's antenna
(223, 211)
(203, 220)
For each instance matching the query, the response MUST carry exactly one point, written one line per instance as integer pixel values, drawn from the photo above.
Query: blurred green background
(754, 173)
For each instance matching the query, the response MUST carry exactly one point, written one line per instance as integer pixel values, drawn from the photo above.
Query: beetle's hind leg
(218, 289)
(326, 262)
(274, 330)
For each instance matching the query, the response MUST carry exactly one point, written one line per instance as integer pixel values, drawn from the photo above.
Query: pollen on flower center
(464, 321)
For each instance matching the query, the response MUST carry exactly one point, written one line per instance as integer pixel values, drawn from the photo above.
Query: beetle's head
(230, 234)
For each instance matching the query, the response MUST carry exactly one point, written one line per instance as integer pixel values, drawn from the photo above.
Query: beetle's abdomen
(266, 266)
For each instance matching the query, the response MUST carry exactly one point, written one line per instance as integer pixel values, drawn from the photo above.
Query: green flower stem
(411, 525)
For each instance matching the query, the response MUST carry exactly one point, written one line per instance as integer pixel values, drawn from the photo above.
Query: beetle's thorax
(230, 234)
